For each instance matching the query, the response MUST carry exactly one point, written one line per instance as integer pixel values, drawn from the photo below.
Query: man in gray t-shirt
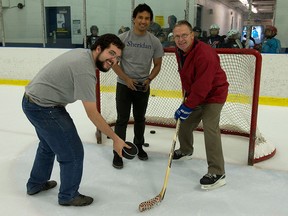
(134, 77)
(69, 77)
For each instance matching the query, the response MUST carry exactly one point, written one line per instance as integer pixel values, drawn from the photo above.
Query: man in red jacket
(206, 89)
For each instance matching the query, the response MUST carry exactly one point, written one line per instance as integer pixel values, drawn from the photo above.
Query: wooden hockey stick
(146, 205)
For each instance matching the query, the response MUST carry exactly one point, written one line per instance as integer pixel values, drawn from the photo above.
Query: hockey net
(238, 116)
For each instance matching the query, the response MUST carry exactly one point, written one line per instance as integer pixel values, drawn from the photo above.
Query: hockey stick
(146, 205)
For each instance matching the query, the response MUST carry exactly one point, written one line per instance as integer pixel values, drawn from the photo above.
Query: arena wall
(19, 65)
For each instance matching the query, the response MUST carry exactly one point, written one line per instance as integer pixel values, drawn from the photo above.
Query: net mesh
(165, 98)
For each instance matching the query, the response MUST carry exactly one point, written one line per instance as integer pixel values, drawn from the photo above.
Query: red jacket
(202, 78)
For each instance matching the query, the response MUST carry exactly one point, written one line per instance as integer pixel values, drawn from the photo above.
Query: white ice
(259, 190)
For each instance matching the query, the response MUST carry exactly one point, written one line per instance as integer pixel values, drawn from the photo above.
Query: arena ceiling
(265, 8)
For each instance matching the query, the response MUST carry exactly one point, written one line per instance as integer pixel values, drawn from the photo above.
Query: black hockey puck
(146, 144)
(130, 153)
(152, 131)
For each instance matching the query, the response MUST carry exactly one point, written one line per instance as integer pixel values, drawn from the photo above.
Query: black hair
(142, 7)
(173, 19)
(184, 22)
(94, 27)
(104, 41)
(197, 29)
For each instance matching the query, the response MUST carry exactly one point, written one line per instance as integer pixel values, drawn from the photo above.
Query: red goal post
(238, 116)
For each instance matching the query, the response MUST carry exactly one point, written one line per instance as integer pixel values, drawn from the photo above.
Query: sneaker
(212, 181)
(46, 186)
(79, 200)
(142, 155)
(117, 161)
(180, 155)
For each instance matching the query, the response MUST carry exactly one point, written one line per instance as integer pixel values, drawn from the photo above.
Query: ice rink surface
(259, 190)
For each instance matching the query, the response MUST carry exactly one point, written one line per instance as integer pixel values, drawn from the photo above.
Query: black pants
(126, 97)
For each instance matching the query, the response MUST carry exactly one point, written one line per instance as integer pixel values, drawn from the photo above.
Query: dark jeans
(126, 97)
(58, 136)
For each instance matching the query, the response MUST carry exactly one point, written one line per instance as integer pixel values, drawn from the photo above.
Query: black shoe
(80, 200)
(142, 155)
(117, 161)
(46, 186)
(180, 155)
(212, 181)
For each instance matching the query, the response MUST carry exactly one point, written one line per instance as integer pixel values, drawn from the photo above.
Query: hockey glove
(182, 112)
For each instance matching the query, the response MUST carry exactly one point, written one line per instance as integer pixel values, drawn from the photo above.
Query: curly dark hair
(104, 41)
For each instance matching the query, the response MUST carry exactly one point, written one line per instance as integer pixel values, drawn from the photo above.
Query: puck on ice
(146, 144)
(130, 153)
(152, 131)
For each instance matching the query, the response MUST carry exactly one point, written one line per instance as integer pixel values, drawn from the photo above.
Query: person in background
(205, 88)
(172, 19)
(66, 79)
(255, 33)
(134, 78)
(270, 43)
(233, 39)
(123, 29)
(204, 37)
(214, 39)
(157, 31)
(251, 42)
(154, 28)
(170, 41)
(197, 32)
(91, 39)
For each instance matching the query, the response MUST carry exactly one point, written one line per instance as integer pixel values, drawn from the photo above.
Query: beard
(100, 64)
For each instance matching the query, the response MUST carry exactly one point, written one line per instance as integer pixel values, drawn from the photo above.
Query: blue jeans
(58, 137)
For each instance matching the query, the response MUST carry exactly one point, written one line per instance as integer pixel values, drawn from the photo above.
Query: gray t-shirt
(138, 54)
(69, 77)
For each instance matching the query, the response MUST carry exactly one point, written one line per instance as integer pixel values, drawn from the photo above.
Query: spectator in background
(91, 39)
(204, 37)
(251, 43)
(270, 43)
(233, 39)
(172, 19)
(197, 32)
(157, 31)
(214, 39)
(123, 29)
(170, 42)
(255, 33)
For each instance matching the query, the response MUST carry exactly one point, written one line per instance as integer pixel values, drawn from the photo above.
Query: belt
(31, 101)
(28, 98)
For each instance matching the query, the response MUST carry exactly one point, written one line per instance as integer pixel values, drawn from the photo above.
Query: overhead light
(254, 10)
(246, 4)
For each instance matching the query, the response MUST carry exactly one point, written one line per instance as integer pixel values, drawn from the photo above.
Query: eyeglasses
(113, 55)
(183, 36)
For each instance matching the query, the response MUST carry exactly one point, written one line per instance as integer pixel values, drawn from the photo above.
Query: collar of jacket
(182, 55)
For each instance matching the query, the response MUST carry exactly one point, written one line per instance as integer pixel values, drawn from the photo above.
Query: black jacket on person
(216, 41)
